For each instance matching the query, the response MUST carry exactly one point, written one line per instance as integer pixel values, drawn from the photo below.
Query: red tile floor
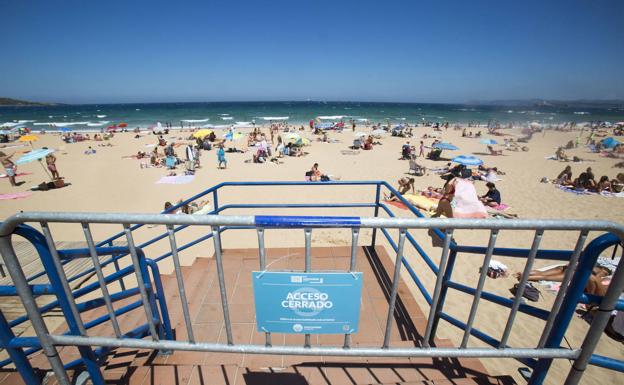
(140, 367)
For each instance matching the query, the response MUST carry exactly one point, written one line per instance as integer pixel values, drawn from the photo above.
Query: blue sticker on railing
(307, 303)
(306, 221)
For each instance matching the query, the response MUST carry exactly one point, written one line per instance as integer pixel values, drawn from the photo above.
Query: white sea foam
(100, 116)
(274, 117)
(243, 123)
(223, 114)
(61, 124)
(26, 121)
(362, 120)
(581, 113)
(195, 120)
(331, 117)
(97, 124)
(9, 124)
(227, 118)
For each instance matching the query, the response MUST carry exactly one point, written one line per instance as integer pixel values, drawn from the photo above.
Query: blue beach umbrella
(34, 155)
(610, 142)
(468, 160)
(65, 129)
(488, 141)
(445, 146)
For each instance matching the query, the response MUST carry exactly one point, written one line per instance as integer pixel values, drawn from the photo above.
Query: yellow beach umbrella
(28, 138)
(202, 133)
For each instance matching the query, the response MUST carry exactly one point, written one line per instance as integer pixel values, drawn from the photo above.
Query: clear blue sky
(82, 51)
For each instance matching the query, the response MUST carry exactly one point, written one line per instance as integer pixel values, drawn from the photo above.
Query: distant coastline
(9, 102)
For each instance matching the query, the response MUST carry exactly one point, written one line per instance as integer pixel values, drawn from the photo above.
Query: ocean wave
(25, 121)
(223, 114)
(61, 124)
(243, 123)
(195, 120)
(100, 116)
(332, 117)
(97, 124)
(227, 118)
(362, 120)
(274, 117)
(581, 113)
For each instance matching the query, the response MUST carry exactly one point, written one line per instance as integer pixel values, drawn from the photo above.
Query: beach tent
(467, 160)
(202, 133)
(609, 142)
(378, 132)
(445, 146)
(65, 129)
(488, 141)
(360, 134)
(123, 125)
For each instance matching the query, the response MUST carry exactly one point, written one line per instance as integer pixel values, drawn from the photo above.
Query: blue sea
(99, 116)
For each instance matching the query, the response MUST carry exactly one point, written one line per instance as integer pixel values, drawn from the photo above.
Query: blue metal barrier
(159, 308)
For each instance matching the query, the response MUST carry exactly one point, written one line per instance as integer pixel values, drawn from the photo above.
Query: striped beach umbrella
(488, 141)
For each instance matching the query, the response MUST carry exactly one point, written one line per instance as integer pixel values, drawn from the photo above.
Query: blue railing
(105, 247)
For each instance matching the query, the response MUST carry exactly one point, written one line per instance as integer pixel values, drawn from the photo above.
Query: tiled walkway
(128, 366)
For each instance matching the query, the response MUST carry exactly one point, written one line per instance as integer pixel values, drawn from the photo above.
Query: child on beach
(221, 157)
(9, 166)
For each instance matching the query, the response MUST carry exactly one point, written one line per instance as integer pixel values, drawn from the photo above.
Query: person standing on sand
(51, 162)
(422, 149)
(221, 157)
(9, 166)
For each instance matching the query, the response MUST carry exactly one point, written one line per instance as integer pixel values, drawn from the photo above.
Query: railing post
(445, 280)
(377, 196)
(17, 354)
(568, 307)
(215, 198)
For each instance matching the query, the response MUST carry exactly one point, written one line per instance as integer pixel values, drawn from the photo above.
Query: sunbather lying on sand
(594, 284)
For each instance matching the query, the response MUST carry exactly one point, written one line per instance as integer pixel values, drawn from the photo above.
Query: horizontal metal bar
(559, 255)
(9, 225)
(314, 350)
(607, 362)
(39, 289)
(486, 295)
(305, 221)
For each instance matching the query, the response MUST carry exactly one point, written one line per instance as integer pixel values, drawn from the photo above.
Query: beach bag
(59, 182)
(530, 292)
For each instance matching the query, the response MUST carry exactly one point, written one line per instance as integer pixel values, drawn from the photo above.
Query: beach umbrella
(445, 146)
(36, 155)
(378, 132)
(488, 141)
(609, 142)
(65, 129)
(535, 125)
(467, 160)
(28, 138)
(123, 125)
(202, 133)
(291, 137)
(360, 134)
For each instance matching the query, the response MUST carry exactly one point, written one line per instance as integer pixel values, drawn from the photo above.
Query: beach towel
(466, 203)
(176, 179)
(422, 202)
(19, 174)
(17, 195)
(501, 207)
(400, 205)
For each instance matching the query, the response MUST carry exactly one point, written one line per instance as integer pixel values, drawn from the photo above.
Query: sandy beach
(111, 181)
